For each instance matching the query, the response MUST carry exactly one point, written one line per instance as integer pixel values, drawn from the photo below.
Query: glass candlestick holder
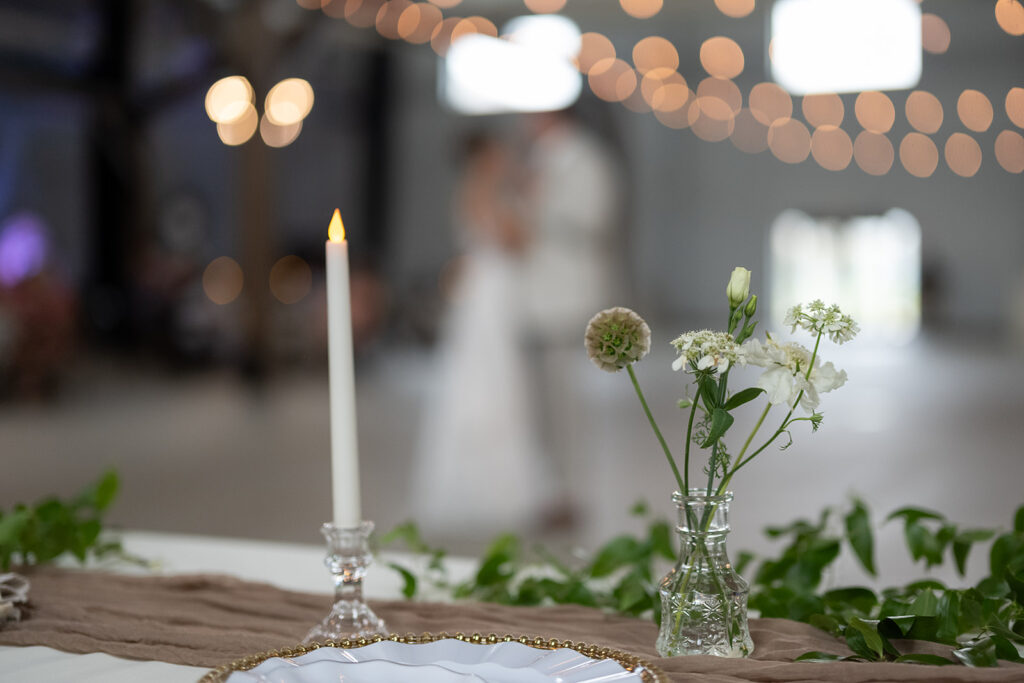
(348, 556)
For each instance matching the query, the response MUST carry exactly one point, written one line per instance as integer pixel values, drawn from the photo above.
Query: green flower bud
(751, 307)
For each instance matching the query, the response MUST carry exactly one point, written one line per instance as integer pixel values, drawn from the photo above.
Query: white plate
(442, 661)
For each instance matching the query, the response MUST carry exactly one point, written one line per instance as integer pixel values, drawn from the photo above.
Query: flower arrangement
(794, 376)
(703, 599)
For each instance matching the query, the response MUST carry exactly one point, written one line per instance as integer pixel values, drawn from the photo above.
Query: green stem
(654, 426)
(753, 433)
(686, 454)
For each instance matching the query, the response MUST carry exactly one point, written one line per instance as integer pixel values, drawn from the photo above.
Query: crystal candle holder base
(348, 556)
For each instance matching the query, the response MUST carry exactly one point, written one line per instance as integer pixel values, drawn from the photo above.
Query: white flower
(707, 351)
(738, 288)
(816, 317)
(786, 373)
(615, 338)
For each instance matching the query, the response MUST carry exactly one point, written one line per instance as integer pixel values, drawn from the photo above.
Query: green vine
(980, 624)
(43, 532)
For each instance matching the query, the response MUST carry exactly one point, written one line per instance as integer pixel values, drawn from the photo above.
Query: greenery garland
(980, 624)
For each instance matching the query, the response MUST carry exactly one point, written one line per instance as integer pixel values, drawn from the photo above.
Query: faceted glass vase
(703, 599)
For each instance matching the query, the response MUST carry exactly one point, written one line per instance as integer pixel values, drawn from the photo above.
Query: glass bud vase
(703, 600)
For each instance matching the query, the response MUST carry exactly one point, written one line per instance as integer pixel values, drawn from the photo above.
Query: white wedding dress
(478, 468)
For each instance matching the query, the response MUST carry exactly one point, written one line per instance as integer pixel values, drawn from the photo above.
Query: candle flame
(336, 230)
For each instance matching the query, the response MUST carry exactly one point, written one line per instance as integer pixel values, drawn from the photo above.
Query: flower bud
(751, 307)
(739, 287)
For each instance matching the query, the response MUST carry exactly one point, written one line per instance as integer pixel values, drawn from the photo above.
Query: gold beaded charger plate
(441, 658)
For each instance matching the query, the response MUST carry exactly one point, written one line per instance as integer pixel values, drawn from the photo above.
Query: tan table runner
(210, 620)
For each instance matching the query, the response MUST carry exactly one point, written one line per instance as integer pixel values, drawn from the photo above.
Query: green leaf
(897, 626)
(925, 604)
(921, 658)
(720, 423)
(743, 560)
(923, 544)
(863, 638)
(660, 538)
(980, 654)
(816, 656)
(1018, 520)
(639, 509)
(861, 599)
(408, 580)
(858, 533)
(106, 490)
(707, 389)
(912, 514)
(948, 612)
(826, 623)
(741, 397)
(618, 552)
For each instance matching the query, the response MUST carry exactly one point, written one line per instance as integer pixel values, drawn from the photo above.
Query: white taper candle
(344, 444)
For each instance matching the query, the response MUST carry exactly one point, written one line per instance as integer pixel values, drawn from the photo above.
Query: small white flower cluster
(816, 317)
(787, 376)
(708, 350)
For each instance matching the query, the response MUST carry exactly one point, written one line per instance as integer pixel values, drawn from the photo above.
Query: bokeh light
(387, 18)
(677, 119)
(290, 279)
(278, 136)
(593, 48)
(724, 90)
(610, 79)
(654, 52)
(831, 147)
(1010, 151)
(749, 135)
(974, 110)
(963, 154)
(721, 57)
(711, 119)
(664, 89)
(873, 153)
(924, 111)
(769, 103)
(417, 23)
(289, 102)
(823, 110)
(736, 9)
(789, 140)
(544, 6)
(240, 130)
(446, 4)
(359, 13)
(641, 9)
(935, 36)
(875, 111)
(222, 280)
(1010, 16)
(919, 155)
(441, 36)
(228, 99)
(1015, 106)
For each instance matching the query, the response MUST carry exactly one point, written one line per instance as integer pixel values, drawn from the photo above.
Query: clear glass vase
(703, 600)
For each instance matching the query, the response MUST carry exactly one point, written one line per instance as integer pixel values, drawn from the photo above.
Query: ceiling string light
(715, 112)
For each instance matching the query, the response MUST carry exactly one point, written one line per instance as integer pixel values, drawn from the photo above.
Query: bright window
(869, 265)
(528, 69)
(826, 46)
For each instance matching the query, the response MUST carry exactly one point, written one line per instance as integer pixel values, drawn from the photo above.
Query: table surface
(290, 566)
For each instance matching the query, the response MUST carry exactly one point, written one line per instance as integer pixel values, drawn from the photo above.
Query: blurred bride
(479, 468)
